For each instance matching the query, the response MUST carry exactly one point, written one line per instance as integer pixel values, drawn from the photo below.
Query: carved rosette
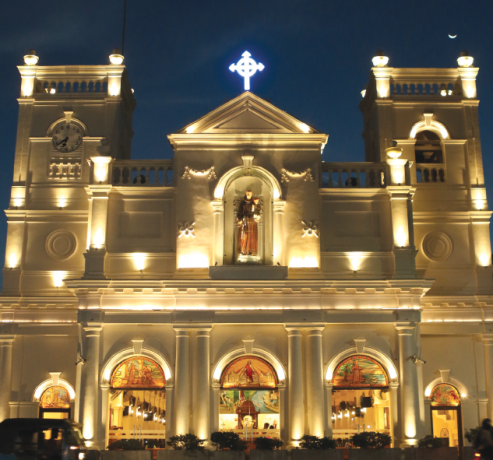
(60, 244)
(310, 229)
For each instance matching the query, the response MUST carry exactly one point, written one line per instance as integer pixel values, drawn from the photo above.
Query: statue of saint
(248, 216)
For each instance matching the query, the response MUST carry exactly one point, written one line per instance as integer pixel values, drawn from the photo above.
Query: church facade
(245, 284)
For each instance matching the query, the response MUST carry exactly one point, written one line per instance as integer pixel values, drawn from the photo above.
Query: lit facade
(129, 306)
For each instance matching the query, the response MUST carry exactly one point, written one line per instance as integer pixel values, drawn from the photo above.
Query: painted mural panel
(249, 372)
(138, 372)
(265, 401)
(359, 371)
(55, 398)
(444, 395)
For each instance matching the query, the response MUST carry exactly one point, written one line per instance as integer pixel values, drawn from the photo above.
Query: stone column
(277, 248)
(182, 382)
(315, 382)
(409, 408)
(90, 384)
(284, 416)
(328, 404)
(218, 239)
(488, 370)
(394, 414)
(201, 385)
(103, 425)
(170, 406)
(6, 351)
(295, 386)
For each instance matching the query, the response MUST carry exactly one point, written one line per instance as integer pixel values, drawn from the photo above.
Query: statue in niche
(248, 216)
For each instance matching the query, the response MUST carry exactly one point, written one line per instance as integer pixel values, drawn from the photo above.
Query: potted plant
(229, 445)
(184, 446)
(315, 448)
(125, 449)
(373, 445)
(268, 449)
(432, 448)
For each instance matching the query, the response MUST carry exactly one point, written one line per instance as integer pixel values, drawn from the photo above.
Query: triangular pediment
(245, 114)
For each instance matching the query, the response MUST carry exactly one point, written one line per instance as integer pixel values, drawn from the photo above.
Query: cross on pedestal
(246, 67)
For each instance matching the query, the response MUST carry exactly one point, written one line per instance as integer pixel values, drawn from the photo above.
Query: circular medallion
(60, 244)
(437, 246)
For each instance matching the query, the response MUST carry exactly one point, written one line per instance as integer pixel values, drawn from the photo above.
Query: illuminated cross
(246, 67)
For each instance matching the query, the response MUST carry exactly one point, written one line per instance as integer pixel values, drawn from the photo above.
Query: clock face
(67, 138)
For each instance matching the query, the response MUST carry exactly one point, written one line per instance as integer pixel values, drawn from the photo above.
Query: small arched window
(428, 148)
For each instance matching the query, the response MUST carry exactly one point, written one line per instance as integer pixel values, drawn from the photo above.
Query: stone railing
(425, 82)
(355, 175)
(65, 170)
(72, 85)
(430, 173)
(143, 173)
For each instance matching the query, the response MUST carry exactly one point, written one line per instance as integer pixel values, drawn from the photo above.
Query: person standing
(484, 440)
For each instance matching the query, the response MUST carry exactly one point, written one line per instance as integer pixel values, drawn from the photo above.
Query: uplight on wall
(484, 259)
(62, 202)
(190, 129)
(98, 240)
(304, 127)
(355, 259)
(58, 279)
(12, 261)
(303, 262)
(193, 260)
(139, 260)
(401, 237)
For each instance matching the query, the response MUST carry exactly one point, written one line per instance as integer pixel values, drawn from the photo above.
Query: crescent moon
(452, 36)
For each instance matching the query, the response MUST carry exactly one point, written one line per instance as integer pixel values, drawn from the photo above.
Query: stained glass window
(249, 372)
(359, 371)
(444, 395)
(55, 397)
(138, 372)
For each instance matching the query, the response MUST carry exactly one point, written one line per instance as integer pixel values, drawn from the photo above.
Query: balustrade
(430, 173)
(136, 173)
(424, 88)
(354, 175)
(74, 86)
(64, 170)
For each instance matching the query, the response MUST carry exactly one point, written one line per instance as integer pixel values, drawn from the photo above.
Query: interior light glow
(139, 260)
(12, 261)
(246, 68)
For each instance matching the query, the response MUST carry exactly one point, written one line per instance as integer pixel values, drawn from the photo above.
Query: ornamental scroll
(306, 175)
(210, 173)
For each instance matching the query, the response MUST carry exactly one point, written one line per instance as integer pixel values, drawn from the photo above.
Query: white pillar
(409, 409)
(283, 419)
(182, 382)
(6, 351)
(295, 386)
(201, 385)
(328, 404)
(488, 370)
(315, 382)
(218, 239)
(90, 384)
(216, 387)
(170, 406)
(394, 414)
(103, 426)
(278, 232)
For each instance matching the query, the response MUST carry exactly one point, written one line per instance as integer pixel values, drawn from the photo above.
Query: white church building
(137, 298)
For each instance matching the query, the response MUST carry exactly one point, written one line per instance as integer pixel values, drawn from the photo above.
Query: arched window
(360, 371)
(138, 372)
(55, 403)
(249, 398)
(444, 394)
(428, 148)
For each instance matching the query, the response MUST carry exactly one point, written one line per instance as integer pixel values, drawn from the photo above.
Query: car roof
(33, 423)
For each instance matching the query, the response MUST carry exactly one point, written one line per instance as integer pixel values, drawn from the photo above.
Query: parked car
(41, 439)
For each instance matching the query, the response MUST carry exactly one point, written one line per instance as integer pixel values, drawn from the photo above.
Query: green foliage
(315, 443)
(371, 440)
(263, 443)
(223, 440)
(472, 434)
(186, 442)
(430, 441)
(126, 444)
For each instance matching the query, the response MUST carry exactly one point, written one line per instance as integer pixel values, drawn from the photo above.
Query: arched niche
(461, 388)
(43, 386)
(229, 191)
(428, 124)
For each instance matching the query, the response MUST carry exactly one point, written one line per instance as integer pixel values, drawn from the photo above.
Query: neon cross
(246, 67)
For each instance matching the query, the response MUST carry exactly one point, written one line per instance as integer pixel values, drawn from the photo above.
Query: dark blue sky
(317, 56)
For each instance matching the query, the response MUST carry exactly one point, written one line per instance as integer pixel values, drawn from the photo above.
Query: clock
(67, 137)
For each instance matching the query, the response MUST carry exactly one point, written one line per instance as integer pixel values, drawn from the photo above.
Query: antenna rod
(124, 20)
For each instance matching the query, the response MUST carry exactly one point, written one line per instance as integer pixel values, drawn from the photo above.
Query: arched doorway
(446, 414)
(360, 397)
(249, 402)
(137, 402)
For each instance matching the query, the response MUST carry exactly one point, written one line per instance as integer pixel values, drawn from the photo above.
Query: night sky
(317, 57)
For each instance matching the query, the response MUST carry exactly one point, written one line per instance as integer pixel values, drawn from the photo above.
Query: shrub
(263, 443)
(227, 440)
(430, 441)
(126, 444)
(313, 442)
(371, 440)
(186, 442)
(472, 434)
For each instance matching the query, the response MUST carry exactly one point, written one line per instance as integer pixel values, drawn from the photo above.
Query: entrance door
(446, 424)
